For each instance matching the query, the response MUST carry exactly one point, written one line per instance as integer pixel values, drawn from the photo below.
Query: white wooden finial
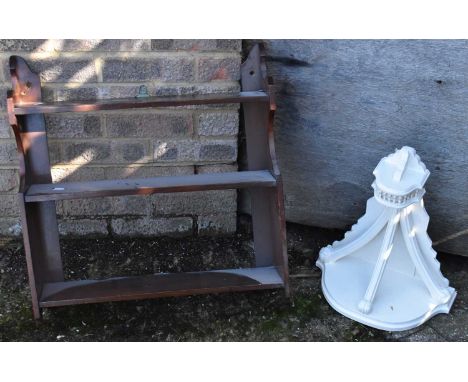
(388, 278)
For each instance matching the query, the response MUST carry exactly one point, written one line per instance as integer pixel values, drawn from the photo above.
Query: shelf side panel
(266, 204)
(39, 221)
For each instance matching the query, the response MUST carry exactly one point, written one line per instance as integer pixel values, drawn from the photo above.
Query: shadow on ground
(250, 316)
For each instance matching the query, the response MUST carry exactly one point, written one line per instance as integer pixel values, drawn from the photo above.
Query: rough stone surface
(68, 45)
(119, 91)
(77, 173)
(218, 123)
(8, 153)
(167, 151)
(73, 126)
(130, 152)
(86, 152)
(344, 104)
(4, 127)
(215, 168)
(148, 125)
(210, 69)
(121, 205)
(194, 45)
(3, 91)
(20, 45)
(194, 203)
(75, 94)
(130, 69)
(83, 227)
(10, 226)
(8, 180)
(217, 152)
(116, 172)
(63, 70)
(205, 151)
(105, 152)
(80, 173)
(204, 88)
(148, 227)
(9, 205)
(48, 92)
(55, 152)
(137, 70)
(84, 208)
(177, 69)
(135, 143)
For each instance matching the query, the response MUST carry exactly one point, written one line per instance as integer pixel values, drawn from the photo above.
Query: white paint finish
(389, 279)
(365, 305)
(405, 304)
(401, 173)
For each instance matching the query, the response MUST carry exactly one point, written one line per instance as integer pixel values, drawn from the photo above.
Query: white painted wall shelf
(384, 273)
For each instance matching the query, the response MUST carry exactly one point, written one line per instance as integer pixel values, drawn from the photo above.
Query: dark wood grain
(159, 285)
(267, 205)
(38, 220)
(146, 186)
(135, 103)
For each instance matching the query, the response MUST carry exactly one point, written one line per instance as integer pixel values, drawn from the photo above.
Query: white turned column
(365, 305)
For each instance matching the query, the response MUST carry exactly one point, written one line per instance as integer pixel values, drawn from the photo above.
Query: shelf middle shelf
(99, 188)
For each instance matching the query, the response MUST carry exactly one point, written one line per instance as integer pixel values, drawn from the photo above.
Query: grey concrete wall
(342, 105)
(124, 144)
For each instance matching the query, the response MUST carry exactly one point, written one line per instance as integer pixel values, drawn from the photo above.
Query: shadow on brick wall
(131, 143)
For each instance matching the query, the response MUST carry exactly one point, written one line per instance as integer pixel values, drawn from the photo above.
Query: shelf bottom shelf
(159, 285)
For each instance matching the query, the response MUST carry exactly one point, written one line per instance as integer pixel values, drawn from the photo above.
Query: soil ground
(249, 316)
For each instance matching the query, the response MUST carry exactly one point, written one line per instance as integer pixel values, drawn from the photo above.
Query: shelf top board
(136, 103)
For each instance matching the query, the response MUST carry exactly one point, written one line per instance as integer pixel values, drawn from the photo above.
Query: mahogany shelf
(158, 285)
(136, 103)
(37, 194)
(200, 182)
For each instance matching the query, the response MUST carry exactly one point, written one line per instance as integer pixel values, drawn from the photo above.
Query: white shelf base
(402, 302)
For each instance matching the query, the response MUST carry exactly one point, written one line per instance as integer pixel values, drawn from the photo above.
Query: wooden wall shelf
(37, 194)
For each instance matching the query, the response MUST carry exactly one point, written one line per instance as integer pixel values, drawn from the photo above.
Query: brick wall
(130, 143)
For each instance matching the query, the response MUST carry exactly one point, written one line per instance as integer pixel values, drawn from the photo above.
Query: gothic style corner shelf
(37, 194)
(385, 273)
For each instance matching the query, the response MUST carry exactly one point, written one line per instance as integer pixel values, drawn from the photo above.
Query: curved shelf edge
(159, 285)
